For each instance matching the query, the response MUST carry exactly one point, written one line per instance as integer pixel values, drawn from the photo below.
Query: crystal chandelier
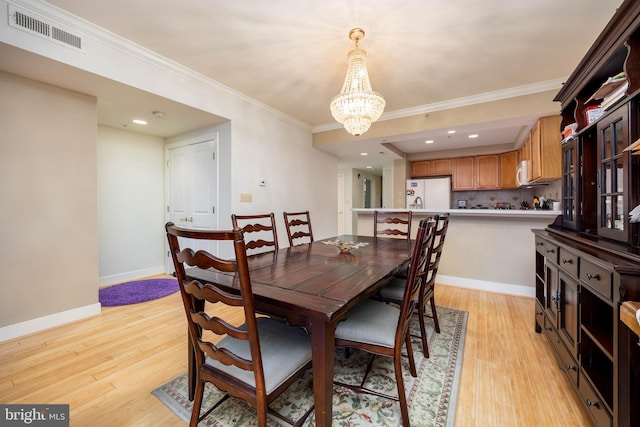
(357, 106)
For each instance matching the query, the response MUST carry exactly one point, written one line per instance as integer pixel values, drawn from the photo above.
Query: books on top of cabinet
(614, 96)
(611, 91)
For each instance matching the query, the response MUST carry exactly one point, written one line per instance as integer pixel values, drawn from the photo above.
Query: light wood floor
(105, 367)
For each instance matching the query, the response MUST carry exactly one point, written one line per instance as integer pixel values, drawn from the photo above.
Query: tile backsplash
(489, 198)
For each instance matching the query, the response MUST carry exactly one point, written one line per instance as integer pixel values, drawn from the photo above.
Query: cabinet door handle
(567, 261)
(593, 276)
(550, 251)
(540, 243)
(570, 368)
(594, 404)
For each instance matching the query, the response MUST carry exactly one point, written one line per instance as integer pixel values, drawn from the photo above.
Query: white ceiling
(291, 55)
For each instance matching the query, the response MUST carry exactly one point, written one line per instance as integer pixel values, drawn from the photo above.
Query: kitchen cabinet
(546, 150)
(441, 166)
(487, 172)
(508, 165)
(463, 174)
(421, 168)
(436, 167)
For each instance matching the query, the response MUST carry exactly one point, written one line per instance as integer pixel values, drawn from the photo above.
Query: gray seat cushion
(394, 290)
(373, 322)
(284, 350)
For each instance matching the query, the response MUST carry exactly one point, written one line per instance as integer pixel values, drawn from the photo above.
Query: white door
(192, 189)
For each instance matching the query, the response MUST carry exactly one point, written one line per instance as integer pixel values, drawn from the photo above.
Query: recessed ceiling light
(451, 131)
(429, 141)
(474, 135)
(369, 167)
(364, 154)
(139, 121)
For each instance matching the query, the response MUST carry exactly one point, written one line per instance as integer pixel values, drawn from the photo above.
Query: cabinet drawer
(596, 277)
(594, 405)
(551, 252)
(540, 245)
(540, 315)
(568, 261)
(567, 363)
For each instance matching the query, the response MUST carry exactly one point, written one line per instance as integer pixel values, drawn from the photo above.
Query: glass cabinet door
(612, 140)
(569, 185)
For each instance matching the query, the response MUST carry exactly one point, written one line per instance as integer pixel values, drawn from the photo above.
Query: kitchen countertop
(499, 213)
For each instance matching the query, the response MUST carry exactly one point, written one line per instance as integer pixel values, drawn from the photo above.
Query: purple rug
(137, 291)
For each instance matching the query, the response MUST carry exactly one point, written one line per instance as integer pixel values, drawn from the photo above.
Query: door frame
(214, 136)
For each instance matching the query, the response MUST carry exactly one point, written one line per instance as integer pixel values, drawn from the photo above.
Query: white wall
(130, 205)
(298, 177)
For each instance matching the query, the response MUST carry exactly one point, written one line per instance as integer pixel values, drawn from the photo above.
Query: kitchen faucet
(418, 204)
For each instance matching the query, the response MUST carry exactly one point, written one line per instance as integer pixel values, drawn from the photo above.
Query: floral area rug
(432, 395)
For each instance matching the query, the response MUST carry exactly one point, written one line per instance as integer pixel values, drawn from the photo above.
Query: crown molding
(127, 47)
(461, 102)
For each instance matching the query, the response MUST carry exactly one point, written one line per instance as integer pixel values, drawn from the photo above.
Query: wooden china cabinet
(588, 260)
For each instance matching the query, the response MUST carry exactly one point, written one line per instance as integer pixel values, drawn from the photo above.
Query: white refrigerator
(429, 193)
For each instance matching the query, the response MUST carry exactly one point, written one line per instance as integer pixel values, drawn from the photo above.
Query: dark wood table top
(316, 279)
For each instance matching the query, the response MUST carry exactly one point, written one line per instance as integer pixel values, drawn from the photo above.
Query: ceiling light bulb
(429, 141)
(364, 154)
(139, 121)
(451, 131)
(475, 135)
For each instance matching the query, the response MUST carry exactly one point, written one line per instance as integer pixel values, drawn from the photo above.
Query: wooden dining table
(316, 286)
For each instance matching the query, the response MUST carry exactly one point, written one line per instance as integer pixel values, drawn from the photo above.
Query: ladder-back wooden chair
(392, 224)
(394, 291)
(264, 227)
(298, 226)
(382, 329)
(254, 361)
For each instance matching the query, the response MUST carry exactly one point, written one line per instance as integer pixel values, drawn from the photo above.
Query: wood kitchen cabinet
(421, 168)
(546, 150)
(487, 172)
(508, 166)
(441, 166)
(463, 174)
(436, 167)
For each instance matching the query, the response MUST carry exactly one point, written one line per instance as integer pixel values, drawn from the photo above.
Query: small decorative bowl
(344, 246)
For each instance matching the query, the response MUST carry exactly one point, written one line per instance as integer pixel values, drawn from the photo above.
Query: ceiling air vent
(39, 26)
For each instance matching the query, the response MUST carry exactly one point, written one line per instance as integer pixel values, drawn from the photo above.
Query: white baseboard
(50, 321)
(482, 285)
(130, 275)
